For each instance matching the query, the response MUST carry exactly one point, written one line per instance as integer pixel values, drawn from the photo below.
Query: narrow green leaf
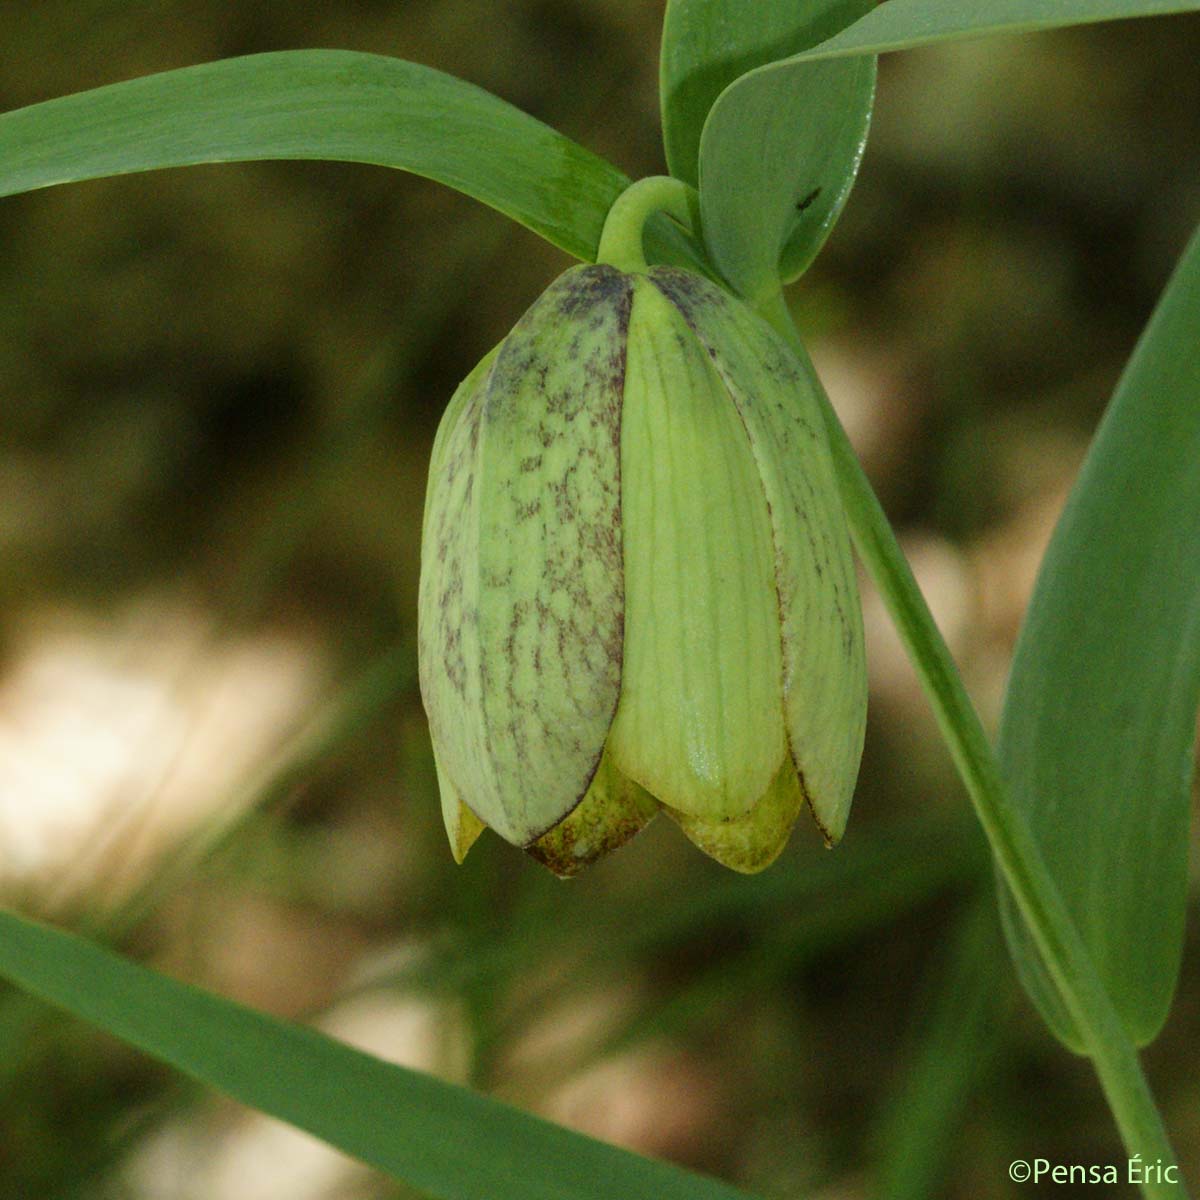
(778, 155)
(320, 104)
(778, 161)
(954, 1044)
(1099, 723)
(901, 24)
(447, 1141)
(781, 131)
(707, 44)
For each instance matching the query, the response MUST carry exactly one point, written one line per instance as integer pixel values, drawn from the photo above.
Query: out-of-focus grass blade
(706, 45)
(1099, 723)
(956, 1042)
(340, 718)
(320, 104)
(447, 1141)
(889, 875)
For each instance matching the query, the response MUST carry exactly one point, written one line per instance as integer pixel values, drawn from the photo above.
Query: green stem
(1017, 855)
(621, 240)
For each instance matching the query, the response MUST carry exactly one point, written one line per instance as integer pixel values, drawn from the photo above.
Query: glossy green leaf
(707, 44)
(787, 150)
(447, 1141)
(319, 104)
(782, 143)
(1099, 722)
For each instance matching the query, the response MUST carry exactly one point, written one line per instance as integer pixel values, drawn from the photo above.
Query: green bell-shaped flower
(636, 583)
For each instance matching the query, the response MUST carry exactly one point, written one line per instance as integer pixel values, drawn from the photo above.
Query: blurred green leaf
(445, 1140)
(339, 718)
(319, 104)
(833, 903)
(814, 147)
(1099, 724)
(955, 1043)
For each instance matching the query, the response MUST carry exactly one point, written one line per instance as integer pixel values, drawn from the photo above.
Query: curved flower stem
(621, 240)
(1063, 951)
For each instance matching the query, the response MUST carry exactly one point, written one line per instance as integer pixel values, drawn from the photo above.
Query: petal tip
(751, 843)
(831, 824)
(465, 834)
(463, 827)
(613, 810)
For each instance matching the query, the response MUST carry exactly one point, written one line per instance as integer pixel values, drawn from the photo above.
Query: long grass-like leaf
(803, 142)
(781, 144)
(447, 1141)
(902, 24)
(319, 104)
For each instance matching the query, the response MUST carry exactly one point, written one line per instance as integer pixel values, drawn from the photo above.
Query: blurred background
(220, 389)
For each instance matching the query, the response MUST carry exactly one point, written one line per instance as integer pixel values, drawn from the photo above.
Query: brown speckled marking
(612, 812)
(522, 610)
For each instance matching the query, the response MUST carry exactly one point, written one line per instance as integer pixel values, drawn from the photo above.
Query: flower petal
(754, 841)
(463, 827)
(824, 669)
(521, 589)
(700, 723)
(613, 811)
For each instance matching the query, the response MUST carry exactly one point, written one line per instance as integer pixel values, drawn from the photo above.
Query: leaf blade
(782, 143)
(903, 24)
(412, 1126)
(319, 104)
(1096, 740)
(707, 44)
(788, 146)
(778, 157)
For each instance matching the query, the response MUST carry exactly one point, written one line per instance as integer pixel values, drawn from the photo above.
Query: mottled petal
(824, 671)
(521, 589)
(614, 809)
(700, 723)
(447, 642)
(754, 841)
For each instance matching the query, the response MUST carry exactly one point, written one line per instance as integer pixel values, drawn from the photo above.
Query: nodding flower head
(636, 590)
